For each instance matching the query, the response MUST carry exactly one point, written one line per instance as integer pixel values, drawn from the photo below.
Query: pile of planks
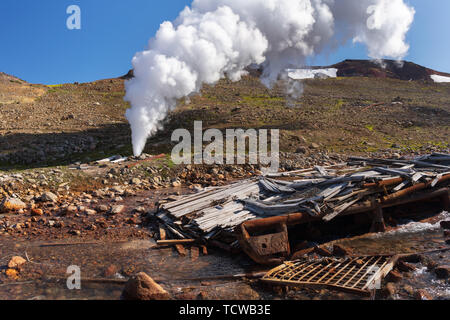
(322, 192)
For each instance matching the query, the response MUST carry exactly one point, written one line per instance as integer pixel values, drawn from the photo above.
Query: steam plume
(214, 39)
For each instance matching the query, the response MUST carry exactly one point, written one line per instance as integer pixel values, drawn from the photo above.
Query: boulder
(37, 212)
(405, 266)
(389, 290)
(445, 224)
(394, 276)
(116, 209)
(341, 251)
(11, 204)
(48, 197)
(422, 294)
(16, 262)
(323, 251)
(143, 287)
(442, 272)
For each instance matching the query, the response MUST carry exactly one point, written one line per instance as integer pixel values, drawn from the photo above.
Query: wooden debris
(195, 252)
(212, 215)
(181, 249)
(174, 242)
(162, 232)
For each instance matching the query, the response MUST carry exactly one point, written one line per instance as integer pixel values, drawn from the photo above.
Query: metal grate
(360, 275)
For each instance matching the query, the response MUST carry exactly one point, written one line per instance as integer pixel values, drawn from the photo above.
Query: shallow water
(45, 277)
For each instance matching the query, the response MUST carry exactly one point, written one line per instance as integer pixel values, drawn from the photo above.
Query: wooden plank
(340, 209)
(181, 249)
(195, 252)
(174, 242)
(162, 232)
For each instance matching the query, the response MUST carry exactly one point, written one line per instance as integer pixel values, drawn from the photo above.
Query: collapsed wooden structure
(237, 215)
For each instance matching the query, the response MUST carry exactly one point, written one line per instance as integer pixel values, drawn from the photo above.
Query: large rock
(116, 209)
(442, 272)
(422, 294)
(142, 287)
(16, 262)
(341, 251)
(48, 197)
(445, 224)
(394, 276)
(11, 204)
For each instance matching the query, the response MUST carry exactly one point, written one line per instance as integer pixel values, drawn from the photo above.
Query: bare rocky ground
(50, 137)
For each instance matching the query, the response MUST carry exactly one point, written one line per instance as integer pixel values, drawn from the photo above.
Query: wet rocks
(394, 276)
(12, 204)
(445, 224)
(341, 251)
(408, 289)
(390, 290)
(422, 294)
(143, 287)
(16, 262)
(323, 251)
(300, 253)
(413, 258)
(442, 272)
(405, 266)
(110, 271)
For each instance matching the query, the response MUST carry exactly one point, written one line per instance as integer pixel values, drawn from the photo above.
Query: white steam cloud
(220, 38)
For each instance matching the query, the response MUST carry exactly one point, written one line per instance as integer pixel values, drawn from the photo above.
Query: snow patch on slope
(299, 74)
(440, 79)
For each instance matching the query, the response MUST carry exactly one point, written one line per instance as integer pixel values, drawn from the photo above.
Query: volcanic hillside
(385, 69)
(43, 125)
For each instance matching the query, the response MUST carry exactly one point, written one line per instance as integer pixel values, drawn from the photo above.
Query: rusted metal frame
(351, 268)
(316, 274)
(385, 268)
(314, 267)
(360, 269)
(367, 271)
(301, 265)
(337, 273)
(376, 276)
(328, 271)
(318, 285)
(325, 270)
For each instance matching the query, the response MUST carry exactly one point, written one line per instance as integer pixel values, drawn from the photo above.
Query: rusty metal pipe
(369, 206)
(390, 182)
(383, 183)
(414, 188)
(301, 217)
(266, 223)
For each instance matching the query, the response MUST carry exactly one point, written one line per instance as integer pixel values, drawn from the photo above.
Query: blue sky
(35, 44)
